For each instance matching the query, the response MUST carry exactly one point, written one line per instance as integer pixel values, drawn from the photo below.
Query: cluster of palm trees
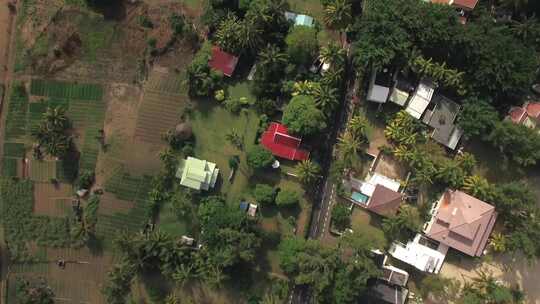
(351, 141)
(440, 73)
(52, 134)
(484, 288)
(403, 131)
(308, 172)
(257, 27)
(157, 251)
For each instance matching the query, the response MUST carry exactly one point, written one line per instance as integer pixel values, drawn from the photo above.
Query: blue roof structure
(244, 206)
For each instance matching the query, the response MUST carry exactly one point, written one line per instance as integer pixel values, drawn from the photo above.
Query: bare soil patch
(52, 200)
(5, 21)
(388, 166)
(68, 284)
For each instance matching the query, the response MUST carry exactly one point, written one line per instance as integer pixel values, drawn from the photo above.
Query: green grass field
(211, 122)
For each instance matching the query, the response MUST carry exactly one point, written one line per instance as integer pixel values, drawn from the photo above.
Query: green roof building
(304, 20)
(197, 174)
(299, 19)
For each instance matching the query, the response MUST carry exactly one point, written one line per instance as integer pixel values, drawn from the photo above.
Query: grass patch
(369, 224)
(312, 8)
(170, 223)
(211, 123)
(96, 35)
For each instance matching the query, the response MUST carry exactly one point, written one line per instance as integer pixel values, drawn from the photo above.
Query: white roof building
(421, 99)
(419, 255)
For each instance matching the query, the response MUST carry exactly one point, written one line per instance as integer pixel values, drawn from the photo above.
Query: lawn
(369, 224)
(211, 122)
(309, 7)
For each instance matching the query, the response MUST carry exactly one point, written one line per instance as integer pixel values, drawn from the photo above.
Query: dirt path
(7, 43)
(5, 30)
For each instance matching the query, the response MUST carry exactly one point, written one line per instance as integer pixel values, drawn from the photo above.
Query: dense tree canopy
(387, 34)
(517, 142)
(333, 278)
(229, 235)
(259, 158)
(477, 118)
(302, 44)
(302, 116)
(287, 198)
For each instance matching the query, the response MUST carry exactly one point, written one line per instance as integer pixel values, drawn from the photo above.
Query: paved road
(326, 189)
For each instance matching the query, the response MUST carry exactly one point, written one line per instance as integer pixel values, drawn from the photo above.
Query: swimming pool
(359, 197)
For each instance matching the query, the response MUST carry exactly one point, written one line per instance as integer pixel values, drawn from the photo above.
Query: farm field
(120, 99)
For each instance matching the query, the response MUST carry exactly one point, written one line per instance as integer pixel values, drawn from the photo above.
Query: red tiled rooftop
(223, 61)
(385, 201)
(533, 109)
(517, 115)
(277, 140)
(468, 4)
(463, 222)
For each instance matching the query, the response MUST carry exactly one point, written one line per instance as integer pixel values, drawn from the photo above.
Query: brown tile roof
(533, 109)
(463, 222)
(384, 201)
(517, 114)
(467, 4)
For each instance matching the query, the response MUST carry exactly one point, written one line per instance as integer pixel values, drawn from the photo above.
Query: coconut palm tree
(348, 147)
(527, 30)
(308, 171)
(332, 77)
(332, 54)
(326, 99)
(305, 87)
(338, 14)
(56, 118)
(479, 187)
(467, 161)
(359, 125)
(235, 139)
(498, 242)
(272, 57)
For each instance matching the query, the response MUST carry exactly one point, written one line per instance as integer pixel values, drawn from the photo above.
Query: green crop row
(16, 114)
(14, 149)
(61, 89)
(9, 166)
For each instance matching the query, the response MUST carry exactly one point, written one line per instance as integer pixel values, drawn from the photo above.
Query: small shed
(223, 61)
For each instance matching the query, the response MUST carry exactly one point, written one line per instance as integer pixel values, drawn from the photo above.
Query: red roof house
(223, 61)
(277, 140)
(528, 114)
(462, 222)
(385, 201)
